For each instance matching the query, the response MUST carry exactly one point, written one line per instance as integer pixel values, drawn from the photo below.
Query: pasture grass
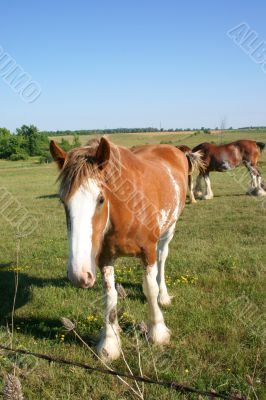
(215, 271)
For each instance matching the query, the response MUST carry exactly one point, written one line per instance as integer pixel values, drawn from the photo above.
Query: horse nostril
(90, 276)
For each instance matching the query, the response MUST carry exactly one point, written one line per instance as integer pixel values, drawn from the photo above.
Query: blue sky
(108, 64)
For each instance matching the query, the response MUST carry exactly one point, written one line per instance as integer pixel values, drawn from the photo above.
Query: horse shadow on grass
(48, 196)
(231, 195)
(39, 327)
(134, 291)
(34, 326)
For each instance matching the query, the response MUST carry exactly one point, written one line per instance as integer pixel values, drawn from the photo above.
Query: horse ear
(58, 154)
(103, 153)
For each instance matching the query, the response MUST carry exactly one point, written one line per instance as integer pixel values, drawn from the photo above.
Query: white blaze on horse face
(81, 208)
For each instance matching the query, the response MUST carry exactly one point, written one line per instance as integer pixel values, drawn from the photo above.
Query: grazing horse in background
(122, 202)
(225, 157)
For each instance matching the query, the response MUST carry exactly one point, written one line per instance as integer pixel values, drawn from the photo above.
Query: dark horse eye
(101, 200)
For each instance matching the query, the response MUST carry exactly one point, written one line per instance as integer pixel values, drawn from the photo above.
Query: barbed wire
(178, 387)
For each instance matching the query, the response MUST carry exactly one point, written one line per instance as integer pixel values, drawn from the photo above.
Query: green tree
(12, 147)
(4, 133)
(65, 145)
(35, 143)
(76, 142)
(30, 135)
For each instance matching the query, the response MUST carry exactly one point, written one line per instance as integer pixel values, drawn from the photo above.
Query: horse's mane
(80, 165)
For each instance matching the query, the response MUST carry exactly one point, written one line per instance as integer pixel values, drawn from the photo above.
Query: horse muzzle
(84, 280)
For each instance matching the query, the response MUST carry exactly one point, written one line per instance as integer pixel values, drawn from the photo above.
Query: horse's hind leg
(190, 189)
(162, 253)
(209, 193)
(260, 183)
(256, 185)
(158, 332)
(198, 187)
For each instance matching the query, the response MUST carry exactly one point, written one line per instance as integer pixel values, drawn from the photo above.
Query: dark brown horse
(226, 157)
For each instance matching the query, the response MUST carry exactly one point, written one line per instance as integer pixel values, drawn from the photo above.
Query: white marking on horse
(209, 192)
(81, 208)
(177, 210)
(109, 345)
(107, 225)
(163, 218)
(162, 253)
(158, 332)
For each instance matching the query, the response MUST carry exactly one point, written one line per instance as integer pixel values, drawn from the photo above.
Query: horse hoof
(207, 197)
(159, 334)
(109, 348)
(198, 195)
(261, 193)
(258, 192)
(107, 353)
(164, 300)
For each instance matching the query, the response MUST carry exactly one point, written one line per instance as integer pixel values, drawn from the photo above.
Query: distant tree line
(99, 131)
(253, 127)
(117, 130)
(124, 130)
(28, 142)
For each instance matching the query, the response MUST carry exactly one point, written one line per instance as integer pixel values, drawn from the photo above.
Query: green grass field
(215, 271)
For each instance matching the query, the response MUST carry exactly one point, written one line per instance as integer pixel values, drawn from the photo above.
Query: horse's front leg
(109, 346)
(158, 332)
(209, 192)
(162, 252)
(198, 188)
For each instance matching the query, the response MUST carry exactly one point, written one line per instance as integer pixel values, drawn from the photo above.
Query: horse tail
(261, 146)
(195, 161)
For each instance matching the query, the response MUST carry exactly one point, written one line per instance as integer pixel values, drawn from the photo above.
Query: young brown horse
(226, 157)
(122, 202)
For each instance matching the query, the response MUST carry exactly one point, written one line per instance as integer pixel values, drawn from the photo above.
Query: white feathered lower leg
(109, 346)
(158, 332)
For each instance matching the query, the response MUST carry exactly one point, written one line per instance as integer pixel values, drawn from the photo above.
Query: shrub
(166, 142)
(21, 155)
(45, 158)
